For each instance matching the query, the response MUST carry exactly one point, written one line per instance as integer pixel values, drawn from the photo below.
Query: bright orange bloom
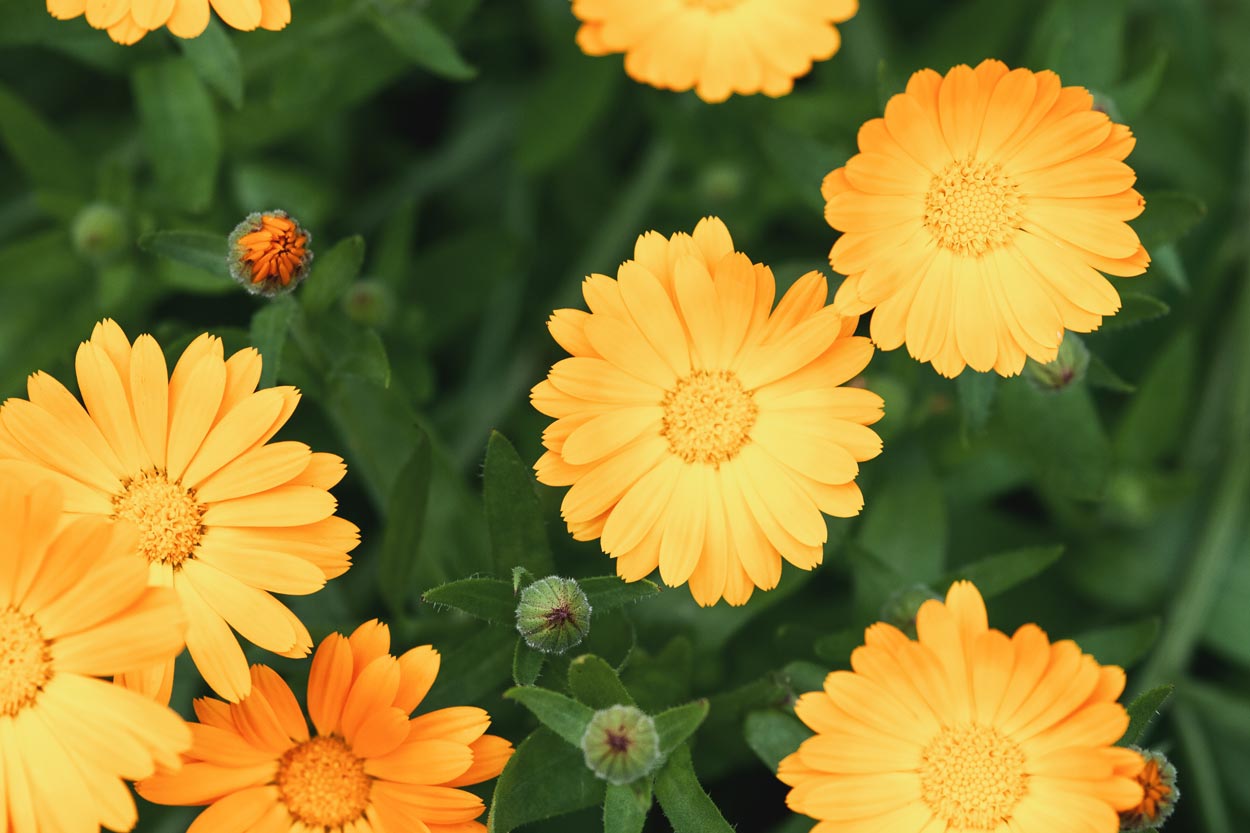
(75, 606)
(716, 47)
(368, 769)
(127, 21)
(978, 215)
(269, 252)
(964, 729)
(225, 516)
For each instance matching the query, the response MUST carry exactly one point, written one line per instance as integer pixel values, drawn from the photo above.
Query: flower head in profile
(75, 605)
(127, 21)
(225, 516)
(269, 253)
(979, 215)
(964, 729)
(715, 47)
(367, 767)
(702, 431)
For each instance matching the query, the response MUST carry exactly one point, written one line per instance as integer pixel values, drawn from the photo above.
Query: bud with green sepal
(1066, 370)
(621, 744)
(369, 302)
(1159, 794)
(553, 615)
(901, 608)
(100, 232)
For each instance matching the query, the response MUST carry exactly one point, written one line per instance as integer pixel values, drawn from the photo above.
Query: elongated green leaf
(217, 61)
(332, 272)
(405, 521)
(423, 43)
(545, 777)
(40, 151)
(1136, 308)
(200, 249)
(1068, 451)
(836, 647)
(513, 514)
(609, 592)
(379, 428)
(1143, 710)
(1157, 417)
(562, 715)
(527, 663)
(677, 724)
(905, 525)
(1204, 770)
(625, 806)
(1168, 216)
(475, 671)
(976, 398)
(486, 598)
(1222, 708)
(772, 735)
(270, 325)
(564, 105)
(1122, 645)
(180, 130)
(688, 808)
(999, 573)
(1100, 375)
(595, 683)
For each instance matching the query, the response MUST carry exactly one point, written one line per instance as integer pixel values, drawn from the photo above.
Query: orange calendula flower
(702, 431)
(127, 21)
(367, 769)
(715, 47)
(1159, 794)
(224, 515)
(964, 729)
(978, 216)
(75, 606)
(269, 253)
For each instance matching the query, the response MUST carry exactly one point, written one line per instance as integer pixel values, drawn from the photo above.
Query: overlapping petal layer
(128, 21)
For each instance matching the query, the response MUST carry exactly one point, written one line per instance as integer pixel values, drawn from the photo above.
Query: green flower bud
(1159, 794)
(370, 303)
(554, 615)
(901, 608)
(268, 253)
(621, 744)
(100, 232)
(1068, 368)
(722, 182)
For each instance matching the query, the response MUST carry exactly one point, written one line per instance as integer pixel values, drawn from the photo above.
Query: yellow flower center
(972, 777)
(712, 5)
(708, 416)
(168, 517)
(25, 661)
(323, 783)
(971, 207)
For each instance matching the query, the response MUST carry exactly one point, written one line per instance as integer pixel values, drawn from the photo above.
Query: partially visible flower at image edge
(978, 215)
(701, 431)
(367, 769)
(75, 606)
(225, 516)
(715, 47)
(128, 21)
(964, 729)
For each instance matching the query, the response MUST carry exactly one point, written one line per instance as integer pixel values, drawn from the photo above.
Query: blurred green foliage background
(462, 165)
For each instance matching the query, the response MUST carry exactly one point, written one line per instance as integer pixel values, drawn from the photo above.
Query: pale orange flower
(127, 21)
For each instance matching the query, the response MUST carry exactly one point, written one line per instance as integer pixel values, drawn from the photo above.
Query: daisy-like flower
(701, 430)
(715, 47)
(965, 729)
(127, 21)
(978, 216)
(225, 516)
(368, 769)
(74, 606)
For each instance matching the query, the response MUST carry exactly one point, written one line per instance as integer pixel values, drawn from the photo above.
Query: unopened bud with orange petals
(269, 253)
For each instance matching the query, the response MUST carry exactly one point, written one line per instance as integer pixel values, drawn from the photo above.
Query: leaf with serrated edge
(562, 715)
(486, 598)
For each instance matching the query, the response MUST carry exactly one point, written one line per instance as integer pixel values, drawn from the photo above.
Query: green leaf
(181, 132)
(677, 724)
(625, 806)
(610, 592)
(419, 40)
(1168, 216)
(999, 573)
(513, 514)
(544, 778)
(1204, 769)
(354, 350)
(486, 598)
(40, 151)
(1156, 419)
(905, 524)
(475, 671)
(1100, 375)
(836, 647)
(405, 521)
(200, 249)
(270, 325)
(562, 715)
(332, 273)
(1228, 711)
(379, 428)
(564, 105)
(1132, 96)
(798, 159)
(1135, 309)
(527, 664)
(688, 808)
(1122, 645)
(217, 61)
(976, 398)
(1058, 435)
(594, 682)
(772, 735)
(1143, 710)
(1228, 620)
